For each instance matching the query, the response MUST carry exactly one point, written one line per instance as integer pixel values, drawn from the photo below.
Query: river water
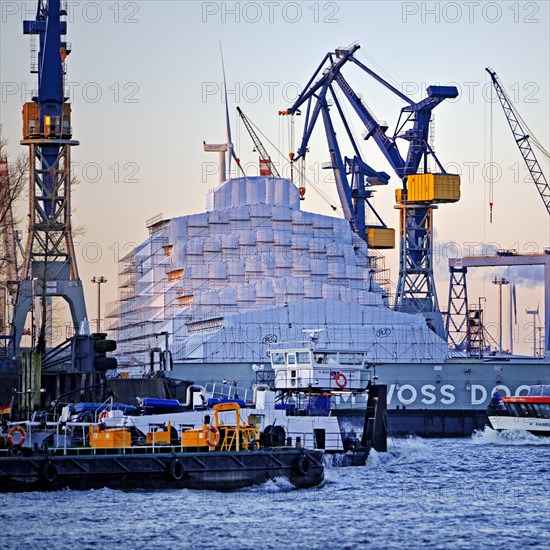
(487, 491)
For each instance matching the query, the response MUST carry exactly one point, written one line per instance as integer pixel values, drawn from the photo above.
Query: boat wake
(273, 486)
(488, 436)
(410, 450)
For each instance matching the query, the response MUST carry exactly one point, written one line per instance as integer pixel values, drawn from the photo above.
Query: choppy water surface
(487, 491)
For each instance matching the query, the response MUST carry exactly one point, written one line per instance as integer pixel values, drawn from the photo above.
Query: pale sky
(145, 84)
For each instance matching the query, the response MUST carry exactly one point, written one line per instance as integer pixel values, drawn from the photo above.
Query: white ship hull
(536, 426)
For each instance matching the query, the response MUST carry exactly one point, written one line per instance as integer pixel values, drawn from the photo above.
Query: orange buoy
(22, 435)
(340, 380)
(211, 429)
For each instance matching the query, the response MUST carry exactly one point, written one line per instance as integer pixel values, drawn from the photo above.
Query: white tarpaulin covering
(252, 268)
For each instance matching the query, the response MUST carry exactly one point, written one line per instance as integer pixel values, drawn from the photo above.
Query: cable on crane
(326, 198)
(388, 76)
(532, 138)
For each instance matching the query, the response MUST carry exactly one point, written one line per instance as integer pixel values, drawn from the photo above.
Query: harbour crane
(420, 191)
(523, 139)
(265, 159)
(49, 260)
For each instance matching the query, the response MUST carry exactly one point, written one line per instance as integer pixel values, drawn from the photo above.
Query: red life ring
(102, 416)
(22, 434)
(340, 380)
(211, 429)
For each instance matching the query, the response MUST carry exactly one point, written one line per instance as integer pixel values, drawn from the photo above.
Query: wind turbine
(228, 123)
(535, 314)
(514, 313)
(227, 147)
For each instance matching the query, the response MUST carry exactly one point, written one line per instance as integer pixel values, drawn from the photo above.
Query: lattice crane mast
(523, 140)
(266, 164)
(49, 261)
(420, 192)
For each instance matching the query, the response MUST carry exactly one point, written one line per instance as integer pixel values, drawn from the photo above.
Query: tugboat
(306, 375)
(530, 413)
(294, 409)
(223, 455)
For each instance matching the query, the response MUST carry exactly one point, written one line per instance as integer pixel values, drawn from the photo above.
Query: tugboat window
(351, 358)
(543, 410)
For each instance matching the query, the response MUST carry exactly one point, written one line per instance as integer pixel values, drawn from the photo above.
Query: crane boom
(421, 191)
(258, 144)
(522, 139)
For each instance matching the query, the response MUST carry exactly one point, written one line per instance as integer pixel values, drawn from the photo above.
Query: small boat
(220, 455)
(294, 409)
(530, 412)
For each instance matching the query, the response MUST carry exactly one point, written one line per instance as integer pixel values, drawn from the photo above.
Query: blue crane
(49, 261)
(420, 192)
(523, 140)
(48, 115)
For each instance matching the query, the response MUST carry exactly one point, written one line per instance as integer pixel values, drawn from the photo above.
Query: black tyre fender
(302, 465)
(265, 436)
(176, 470)
(278, 436)
(104, 346)
(103, 364)
(49, 472)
